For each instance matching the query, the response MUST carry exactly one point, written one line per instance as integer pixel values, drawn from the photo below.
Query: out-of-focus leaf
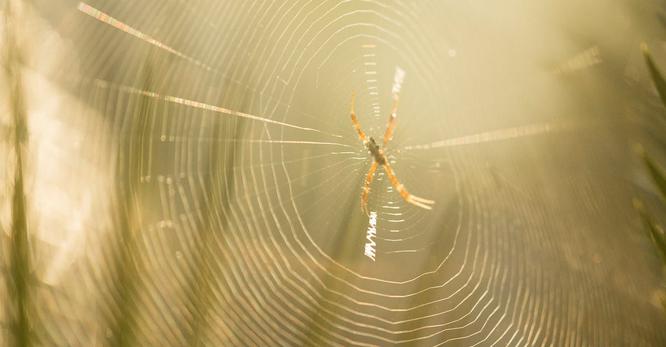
(656, 75)
(656, 234)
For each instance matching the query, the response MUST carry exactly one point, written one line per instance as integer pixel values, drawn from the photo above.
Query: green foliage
(20, 267)
(654, 231)
(653, 169)
(656, 75)
(656, 173)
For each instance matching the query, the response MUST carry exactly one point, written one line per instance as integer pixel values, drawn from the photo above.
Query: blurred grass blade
(20, 270)
(656, 234)
(656, 75)
(654, 170)
(19, 267)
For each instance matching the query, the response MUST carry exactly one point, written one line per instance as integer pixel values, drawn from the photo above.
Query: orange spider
(380, 159)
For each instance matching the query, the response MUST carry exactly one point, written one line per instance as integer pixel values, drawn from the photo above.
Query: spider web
(227, 123)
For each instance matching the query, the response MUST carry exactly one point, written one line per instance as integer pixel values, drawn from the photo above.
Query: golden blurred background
(186, 173)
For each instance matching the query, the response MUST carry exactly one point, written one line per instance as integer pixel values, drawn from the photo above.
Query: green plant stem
(19, 252)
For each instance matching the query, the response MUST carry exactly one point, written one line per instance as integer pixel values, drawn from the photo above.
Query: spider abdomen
(376, 152)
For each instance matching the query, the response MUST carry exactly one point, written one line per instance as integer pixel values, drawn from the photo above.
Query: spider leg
(390, 127)
(357, 125)
(414, 200)
(366, 187)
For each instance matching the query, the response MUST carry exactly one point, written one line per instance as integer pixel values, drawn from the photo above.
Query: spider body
(379, 158)
(376, 151)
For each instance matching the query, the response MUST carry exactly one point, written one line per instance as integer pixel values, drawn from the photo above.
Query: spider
(379, 158)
